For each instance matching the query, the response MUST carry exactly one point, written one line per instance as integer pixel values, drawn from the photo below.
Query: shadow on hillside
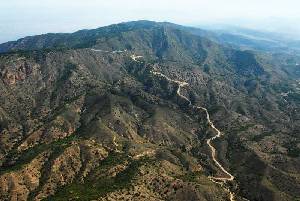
(249, 171)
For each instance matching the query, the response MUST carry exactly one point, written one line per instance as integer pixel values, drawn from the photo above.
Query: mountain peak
(79, 39)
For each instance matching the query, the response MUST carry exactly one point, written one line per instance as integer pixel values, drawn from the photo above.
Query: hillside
(83, 117)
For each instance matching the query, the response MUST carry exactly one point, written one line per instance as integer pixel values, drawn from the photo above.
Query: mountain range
(103, 114)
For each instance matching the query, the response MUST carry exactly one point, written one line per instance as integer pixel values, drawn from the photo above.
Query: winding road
(209, 141)
(229, 177)
(180, 84)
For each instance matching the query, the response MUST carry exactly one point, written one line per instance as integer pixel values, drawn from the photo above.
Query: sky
(19, 18)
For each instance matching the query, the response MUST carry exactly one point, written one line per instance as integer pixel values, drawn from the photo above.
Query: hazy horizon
(20, 19)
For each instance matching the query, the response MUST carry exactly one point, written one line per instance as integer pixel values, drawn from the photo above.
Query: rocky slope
(82, 117)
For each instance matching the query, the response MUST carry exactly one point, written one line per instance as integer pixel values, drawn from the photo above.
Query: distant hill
(245, 39)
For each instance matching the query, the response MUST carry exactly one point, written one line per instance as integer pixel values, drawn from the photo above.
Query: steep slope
(98, 116)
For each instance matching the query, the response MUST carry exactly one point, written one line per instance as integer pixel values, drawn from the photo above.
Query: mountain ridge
(237, 38)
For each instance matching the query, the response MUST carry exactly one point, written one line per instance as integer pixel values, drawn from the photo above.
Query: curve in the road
(230, 177)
